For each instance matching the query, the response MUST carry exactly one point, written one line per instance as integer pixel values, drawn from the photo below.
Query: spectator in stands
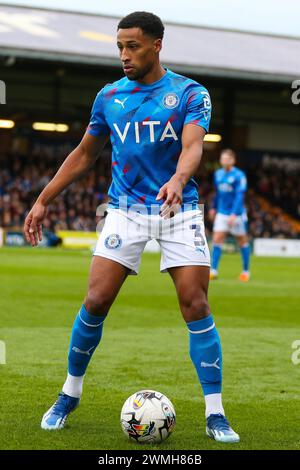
(23, 176)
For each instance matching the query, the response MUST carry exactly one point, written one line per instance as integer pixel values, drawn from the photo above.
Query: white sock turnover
(73, 386)
(213, 404)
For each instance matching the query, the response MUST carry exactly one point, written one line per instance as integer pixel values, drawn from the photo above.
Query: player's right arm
(76, 164)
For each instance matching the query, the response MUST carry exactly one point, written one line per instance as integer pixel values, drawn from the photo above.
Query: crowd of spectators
(22, 177)
(278, 179)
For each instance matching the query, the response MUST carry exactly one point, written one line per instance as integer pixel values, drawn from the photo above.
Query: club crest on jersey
(113, 241)
(170, 100)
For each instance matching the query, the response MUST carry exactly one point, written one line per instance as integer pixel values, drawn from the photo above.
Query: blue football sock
(245, 253)
(86, 335)
(206, 354)
(216, 255)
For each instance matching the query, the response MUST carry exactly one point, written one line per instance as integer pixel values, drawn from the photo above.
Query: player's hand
(231, 220)
(33, 224)
(212, 214)
(171, 193)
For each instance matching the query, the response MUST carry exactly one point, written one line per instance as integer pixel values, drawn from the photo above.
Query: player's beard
(139, 74)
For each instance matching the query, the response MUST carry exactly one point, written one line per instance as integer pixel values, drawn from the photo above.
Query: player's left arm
(187, 166)
(196, 124)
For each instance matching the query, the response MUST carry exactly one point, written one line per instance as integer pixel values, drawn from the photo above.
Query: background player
(229, 212)
(156, 121)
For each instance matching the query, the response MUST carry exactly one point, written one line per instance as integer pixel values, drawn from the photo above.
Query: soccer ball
(148, 417)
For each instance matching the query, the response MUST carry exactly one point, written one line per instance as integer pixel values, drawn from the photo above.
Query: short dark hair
(149, 23)
(230, 152)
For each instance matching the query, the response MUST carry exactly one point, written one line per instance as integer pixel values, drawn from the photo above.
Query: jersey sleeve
(98, 125)
(198, 108)
(241, 188)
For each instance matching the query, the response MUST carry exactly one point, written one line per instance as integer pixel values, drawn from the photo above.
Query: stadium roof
(84, 38)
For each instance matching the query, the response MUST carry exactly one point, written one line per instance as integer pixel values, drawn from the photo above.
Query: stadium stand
(277, 180)
(22, 179)
(23, 176)
(252, 111)
(265, 219)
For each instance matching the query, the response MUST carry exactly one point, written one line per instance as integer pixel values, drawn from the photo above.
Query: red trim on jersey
(172, 118)
(112, 92)
(135, 90)
(191, 97)
(126, 168)
(196, 121)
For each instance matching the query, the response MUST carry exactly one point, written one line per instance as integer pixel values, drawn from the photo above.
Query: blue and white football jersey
(230, 187)
(145, 124)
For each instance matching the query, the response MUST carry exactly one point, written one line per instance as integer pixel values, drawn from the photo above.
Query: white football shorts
(238, 228)
(182, 238)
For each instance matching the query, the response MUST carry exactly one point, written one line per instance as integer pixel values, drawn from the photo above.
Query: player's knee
(218, 239)
(97, 303)
(243, 242)
(195, 308)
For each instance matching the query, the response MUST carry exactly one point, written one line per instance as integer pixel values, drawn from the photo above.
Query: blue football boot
(218, 428)
(56, 416)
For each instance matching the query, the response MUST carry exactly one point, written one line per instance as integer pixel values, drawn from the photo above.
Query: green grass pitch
(145, 345)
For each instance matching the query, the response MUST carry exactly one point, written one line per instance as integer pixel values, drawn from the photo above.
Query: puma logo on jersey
(214, 364)
(122, 103)
(167, 133)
